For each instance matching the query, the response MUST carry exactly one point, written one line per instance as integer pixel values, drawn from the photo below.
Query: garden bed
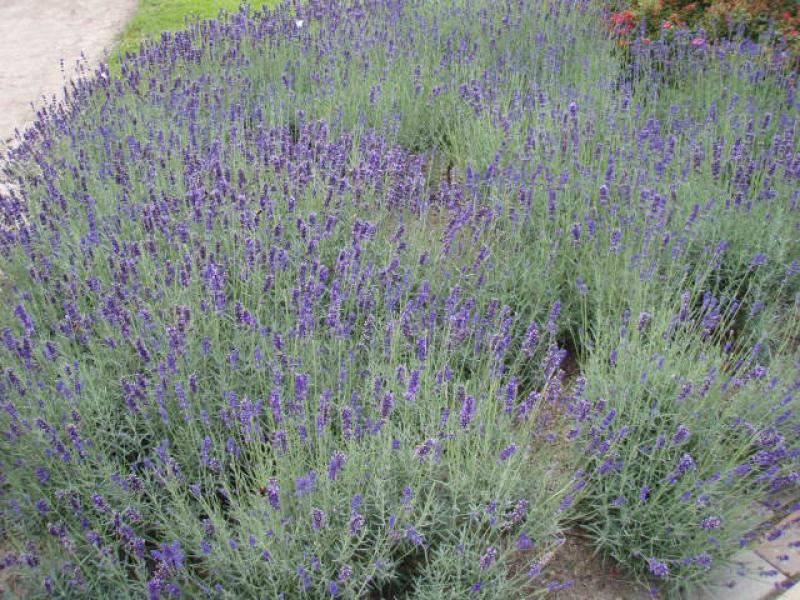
(401, 299)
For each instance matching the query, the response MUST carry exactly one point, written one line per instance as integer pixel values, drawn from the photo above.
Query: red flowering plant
(779, 20)
(789, 25)
(622, 24)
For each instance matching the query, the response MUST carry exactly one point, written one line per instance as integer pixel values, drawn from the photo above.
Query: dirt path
(35, 35)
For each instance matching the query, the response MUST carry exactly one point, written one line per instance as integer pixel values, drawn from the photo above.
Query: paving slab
(783, 553)
(750, 577)
(793, 593)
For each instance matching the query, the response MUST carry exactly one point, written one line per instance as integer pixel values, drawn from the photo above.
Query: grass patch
(154, 16)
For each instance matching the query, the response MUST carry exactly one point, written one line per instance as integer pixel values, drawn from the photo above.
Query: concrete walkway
(35, 35)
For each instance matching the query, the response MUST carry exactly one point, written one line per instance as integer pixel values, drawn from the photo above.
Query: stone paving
(768, 571)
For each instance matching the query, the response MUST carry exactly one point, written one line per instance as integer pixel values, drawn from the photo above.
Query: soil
(594, 579)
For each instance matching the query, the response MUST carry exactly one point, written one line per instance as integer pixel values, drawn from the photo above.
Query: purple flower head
(711, 522)
(305, 578)
(524, 542)
(273, 493)
(566, 502)
(337, 461)
(759, 259)
(387, 404)
(552, 317)
(487, 558)
(422, 348)
(531, 339)
(345, 573)
(467, 411)
(305, 484)
(300, 388)
(24, 317)
(318, 518)
(356, 524)
(681, 434)
(423, 450)
(519, 512)
(413, 384)
(413, 535)
(657, 568)
(685, 463)
(510, 395)
(169, 555)
(644, 493)
(507, 452)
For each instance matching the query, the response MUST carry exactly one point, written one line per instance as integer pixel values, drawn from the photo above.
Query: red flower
(622, 17)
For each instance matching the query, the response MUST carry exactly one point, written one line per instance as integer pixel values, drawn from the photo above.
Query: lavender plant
(695, 445)
(288, 302)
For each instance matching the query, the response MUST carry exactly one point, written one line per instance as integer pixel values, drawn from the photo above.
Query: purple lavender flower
(531, 339)
(273, 493)
(711, 522)
(422, 349)
(413, 535)
(336, 463)
(510, 395)
(24, 318)
(467, 411)
(657, 568)
(387, 404)
(681, 434)
(413, 384)
(644, 493)
(305, 484)
(507, 452)
(552, 317)
(487, 558)
(423, 451)
(685, 463)
(345, 573)
(644, 319)
(524, 542)
(356, 524)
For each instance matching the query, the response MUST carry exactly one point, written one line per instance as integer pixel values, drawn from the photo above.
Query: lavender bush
(374, 299)
(689, 442)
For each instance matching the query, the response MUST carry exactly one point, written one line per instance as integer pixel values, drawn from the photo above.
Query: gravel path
(35, 35)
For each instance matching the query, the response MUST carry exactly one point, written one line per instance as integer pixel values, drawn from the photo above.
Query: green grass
(154, 16)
